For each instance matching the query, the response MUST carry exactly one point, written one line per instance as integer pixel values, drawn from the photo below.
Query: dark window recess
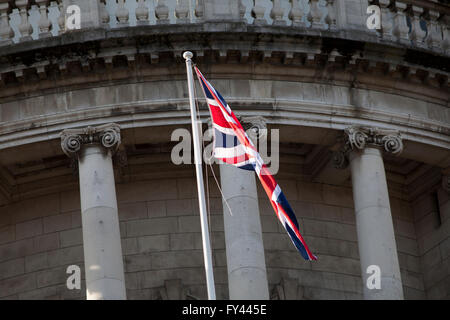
(437, 210)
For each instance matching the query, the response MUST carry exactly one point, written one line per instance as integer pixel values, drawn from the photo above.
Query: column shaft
(247, 277)
(375, 230)
(100, 222)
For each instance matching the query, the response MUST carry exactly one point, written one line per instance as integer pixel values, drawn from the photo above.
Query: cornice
(281, 112)
(95, 50)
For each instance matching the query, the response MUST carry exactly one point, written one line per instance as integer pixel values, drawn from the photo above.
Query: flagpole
(200, 188)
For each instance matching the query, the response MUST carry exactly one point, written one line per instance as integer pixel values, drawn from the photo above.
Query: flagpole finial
(188, 55)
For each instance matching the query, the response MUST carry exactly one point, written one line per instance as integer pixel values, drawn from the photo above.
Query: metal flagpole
(200, 188)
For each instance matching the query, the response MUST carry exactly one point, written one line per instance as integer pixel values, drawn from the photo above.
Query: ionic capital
(107, 135)
(358, 138)
(257, 126)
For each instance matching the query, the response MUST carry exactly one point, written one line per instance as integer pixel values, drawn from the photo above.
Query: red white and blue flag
(232, 146)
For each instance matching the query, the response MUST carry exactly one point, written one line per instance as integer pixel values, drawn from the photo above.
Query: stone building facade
(364, 123)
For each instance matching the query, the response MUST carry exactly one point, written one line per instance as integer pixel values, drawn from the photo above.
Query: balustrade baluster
(162, 12)
(417, 34)
(434, 30)
(104, 14)
(6, 32)
(296, 14)
(277, 13)
(242, 10)
(62, 16)
(25, 27)
(141, 13)
(315, 15)
(122, 13)
(331, 15)
(199, 9)
(44, 23)
(446, 34)
(182, 11)
(258, 11)
(386, 20)
(401, 29)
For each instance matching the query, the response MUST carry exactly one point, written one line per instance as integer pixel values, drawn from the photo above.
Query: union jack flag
(232, 146)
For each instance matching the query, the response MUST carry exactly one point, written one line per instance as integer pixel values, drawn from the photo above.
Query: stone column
(376, 240)
(247, 276)
(93, 147)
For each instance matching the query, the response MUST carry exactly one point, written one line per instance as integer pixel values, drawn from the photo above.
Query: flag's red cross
(232, 146)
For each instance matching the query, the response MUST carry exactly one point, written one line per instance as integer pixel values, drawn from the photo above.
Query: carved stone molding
(357, 138)
(107, 135)
(122, 158)
(340, 159)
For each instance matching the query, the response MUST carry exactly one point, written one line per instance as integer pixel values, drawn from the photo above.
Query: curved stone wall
(309, 73)
(161, 243)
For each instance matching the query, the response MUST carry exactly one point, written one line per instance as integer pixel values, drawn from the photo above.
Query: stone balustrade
(422, 24)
